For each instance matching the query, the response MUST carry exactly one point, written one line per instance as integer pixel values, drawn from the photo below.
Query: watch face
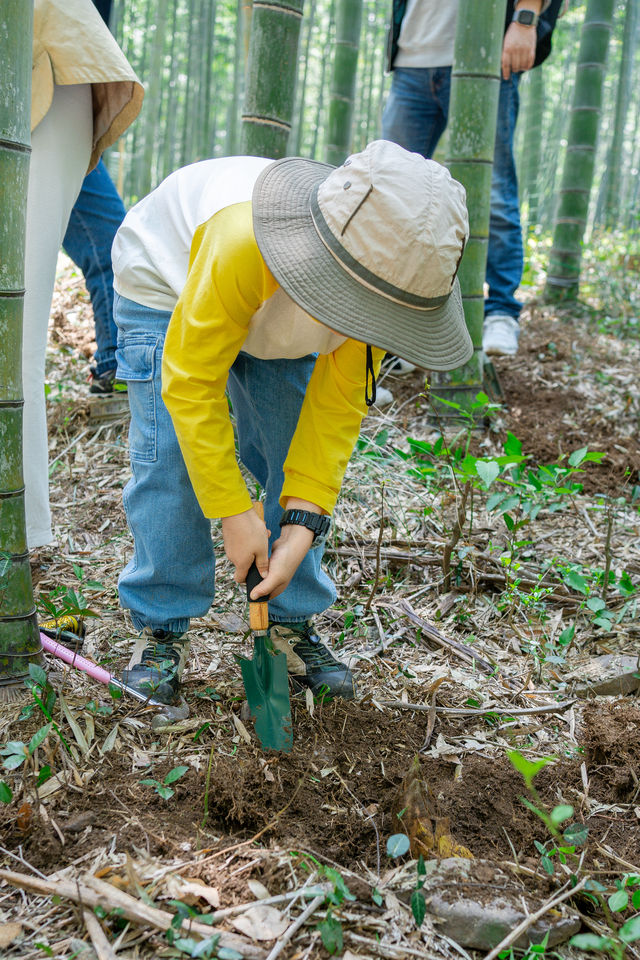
(526, 17)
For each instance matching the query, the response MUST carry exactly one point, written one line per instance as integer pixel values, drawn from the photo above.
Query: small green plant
(534, 951)
(207, 948)
(397, 845)
(330, 929)
(627, 894)
(16, 754)
(164, 789)
(615, 945)
(561, 844)
(65, 601)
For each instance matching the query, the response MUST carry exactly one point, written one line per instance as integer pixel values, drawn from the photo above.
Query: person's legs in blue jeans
(94, 220)
(170, 577)
(267, 396)
(416, 111)
(505, 253)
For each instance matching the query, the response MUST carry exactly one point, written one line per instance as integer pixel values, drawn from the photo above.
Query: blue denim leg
(94, 220)
(417, 108)
(170, 577)
(267, 396)
(505, 254)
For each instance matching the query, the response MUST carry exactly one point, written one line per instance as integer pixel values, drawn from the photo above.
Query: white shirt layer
(427, 34)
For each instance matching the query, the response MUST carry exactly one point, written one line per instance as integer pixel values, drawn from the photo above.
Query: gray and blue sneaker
(309, 662)
(156, 665)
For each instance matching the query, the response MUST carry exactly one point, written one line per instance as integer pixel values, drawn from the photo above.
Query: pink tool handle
(75, 660)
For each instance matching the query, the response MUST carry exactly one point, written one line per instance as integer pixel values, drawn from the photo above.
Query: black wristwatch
(318, 523)
(528, 18)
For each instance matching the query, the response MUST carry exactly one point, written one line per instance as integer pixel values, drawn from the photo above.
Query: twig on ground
(25, 863)
(473, 712)
(607, 552)
(456, 533)
(387, 553)
(379, 950)
(92, 892)
(431, 722)
(376, 576)
(74, 442)
(98, 937)
(550, 904)
(295, 926)
(430, 632)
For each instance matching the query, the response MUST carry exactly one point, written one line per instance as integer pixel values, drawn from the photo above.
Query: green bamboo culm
(615, 159)
(532, 146)
(473, 111)
(563, 276)
(271, 77)
(19, 636)
(343, 80)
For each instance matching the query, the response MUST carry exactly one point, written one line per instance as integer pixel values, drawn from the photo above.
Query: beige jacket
(71, 44)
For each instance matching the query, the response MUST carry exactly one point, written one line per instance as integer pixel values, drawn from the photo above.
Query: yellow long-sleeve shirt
(228, 302)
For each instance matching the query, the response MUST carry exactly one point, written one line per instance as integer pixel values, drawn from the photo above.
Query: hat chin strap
(369, 396)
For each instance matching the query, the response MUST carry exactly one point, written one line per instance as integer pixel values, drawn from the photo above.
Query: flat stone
(477, 904)
(483, 925)
(610, 675)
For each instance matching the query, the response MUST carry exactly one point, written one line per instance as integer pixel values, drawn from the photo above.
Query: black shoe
(156, 666)
(106, 383)
(309, 662)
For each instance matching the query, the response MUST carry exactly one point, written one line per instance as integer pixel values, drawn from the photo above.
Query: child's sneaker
(396, 366)
(500, 335)
(309, 662)
(106, 383)
(156, 666)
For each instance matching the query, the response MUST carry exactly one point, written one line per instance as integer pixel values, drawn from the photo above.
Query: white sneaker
(500, 335)
(396, 366)
(384, 397)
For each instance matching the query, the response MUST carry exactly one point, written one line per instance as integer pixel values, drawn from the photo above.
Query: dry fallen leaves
(261, 923)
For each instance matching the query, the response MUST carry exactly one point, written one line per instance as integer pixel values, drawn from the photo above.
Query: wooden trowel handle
(258, 609)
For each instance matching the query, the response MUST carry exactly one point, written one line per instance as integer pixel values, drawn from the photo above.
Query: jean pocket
(139, 361)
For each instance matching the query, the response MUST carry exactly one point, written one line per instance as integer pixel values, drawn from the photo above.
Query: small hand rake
(265, 677)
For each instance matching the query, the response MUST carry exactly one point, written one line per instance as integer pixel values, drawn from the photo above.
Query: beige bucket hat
(371, 248)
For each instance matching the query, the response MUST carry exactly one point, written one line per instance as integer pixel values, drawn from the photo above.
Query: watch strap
(318, 523)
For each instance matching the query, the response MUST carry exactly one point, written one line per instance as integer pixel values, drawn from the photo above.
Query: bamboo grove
(192, 55)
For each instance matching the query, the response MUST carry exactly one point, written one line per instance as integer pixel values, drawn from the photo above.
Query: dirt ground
(239, 817)
(342, 780)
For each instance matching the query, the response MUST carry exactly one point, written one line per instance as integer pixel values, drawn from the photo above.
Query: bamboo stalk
(19, 635)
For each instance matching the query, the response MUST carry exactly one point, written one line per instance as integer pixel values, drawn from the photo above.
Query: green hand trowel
(265, 677)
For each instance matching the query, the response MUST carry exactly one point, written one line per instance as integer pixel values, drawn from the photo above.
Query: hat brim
(435, 339)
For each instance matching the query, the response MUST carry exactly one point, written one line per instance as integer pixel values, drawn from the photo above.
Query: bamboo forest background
(190, 55)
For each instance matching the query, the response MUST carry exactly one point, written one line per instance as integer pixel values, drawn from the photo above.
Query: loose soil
(554, 405)
(338, 793)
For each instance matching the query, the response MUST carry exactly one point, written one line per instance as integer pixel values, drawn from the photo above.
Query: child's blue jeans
(170, 577)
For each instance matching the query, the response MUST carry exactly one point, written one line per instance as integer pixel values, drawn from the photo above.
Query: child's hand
(287, 554)
(246, 539)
